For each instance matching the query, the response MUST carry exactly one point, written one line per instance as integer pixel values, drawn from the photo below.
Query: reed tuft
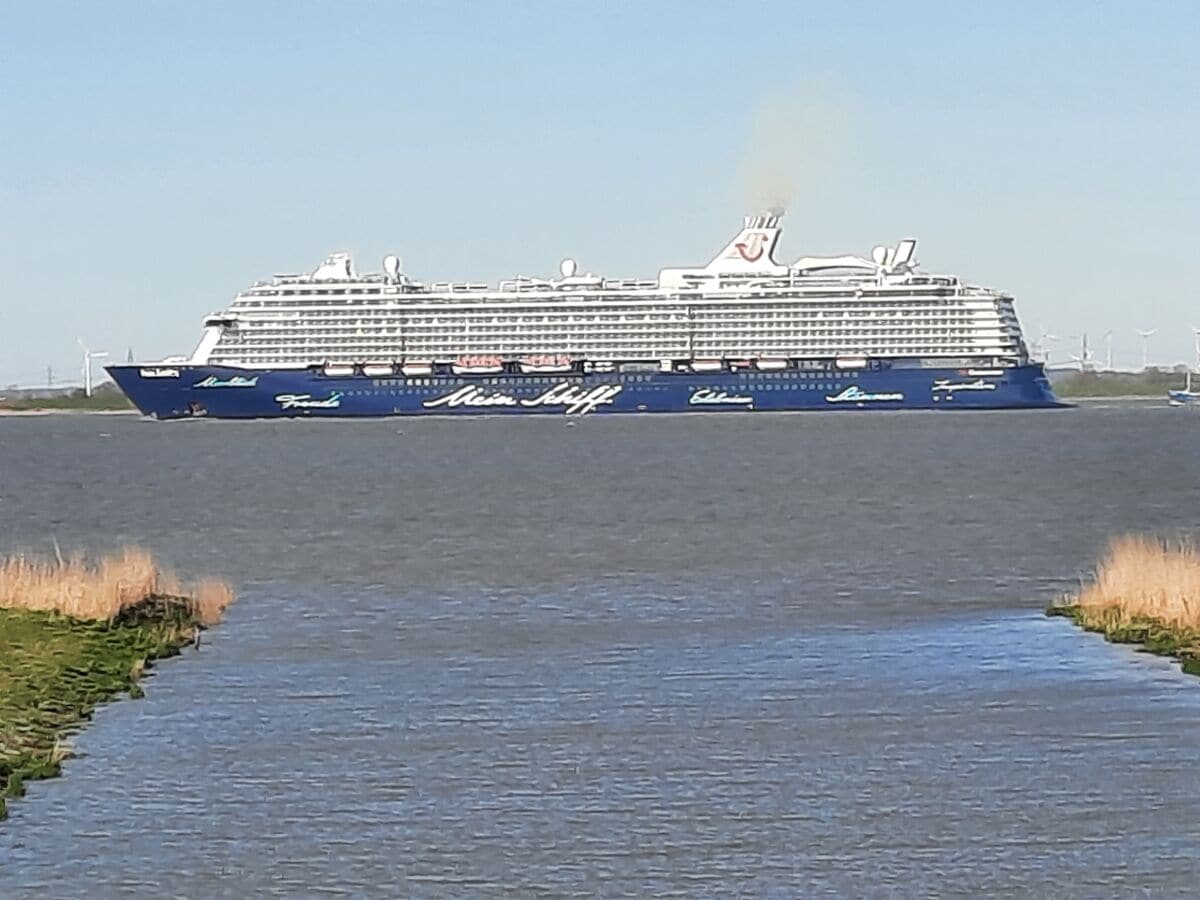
(209, 599)
(1144, 578)
(101, 591)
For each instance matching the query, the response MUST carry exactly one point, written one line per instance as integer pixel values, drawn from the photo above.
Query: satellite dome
(879, 254)
(567, 267)
(391, 267)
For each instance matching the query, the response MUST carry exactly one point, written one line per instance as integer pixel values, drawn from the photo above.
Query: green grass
(55, 670)
(106, 398)
(1151, 383)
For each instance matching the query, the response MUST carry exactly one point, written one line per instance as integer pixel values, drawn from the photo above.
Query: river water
(762, 655)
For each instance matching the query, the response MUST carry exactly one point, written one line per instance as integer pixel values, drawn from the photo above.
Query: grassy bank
(74, 635)
(106, 398)
(1150, 383)
(1144, 592)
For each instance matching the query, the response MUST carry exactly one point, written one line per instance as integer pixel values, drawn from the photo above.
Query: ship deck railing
(523, 284)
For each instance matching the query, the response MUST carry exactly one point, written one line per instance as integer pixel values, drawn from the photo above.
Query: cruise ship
(743, 333)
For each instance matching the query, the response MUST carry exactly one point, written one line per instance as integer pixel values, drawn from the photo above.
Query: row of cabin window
(615, 350)
(802, 307)
(700, 352)
(539, 341)
(608, 332)
(572, 318)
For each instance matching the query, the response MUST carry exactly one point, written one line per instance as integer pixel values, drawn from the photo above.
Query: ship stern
(1036, 388)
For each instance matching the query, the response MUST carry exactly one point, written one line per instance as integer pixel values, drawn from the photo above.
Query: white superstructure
(742, 305)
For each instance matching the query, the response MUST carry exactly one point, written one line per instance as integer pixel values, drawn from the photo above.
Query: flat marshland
(74, 634)
(1145, 591)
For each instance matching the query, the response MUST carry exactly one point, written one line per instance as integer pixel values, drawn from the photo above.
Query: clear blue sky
(156, 158)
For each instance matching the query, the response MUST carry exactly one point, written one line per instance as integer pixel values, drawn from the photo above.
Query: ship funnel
(754, 247)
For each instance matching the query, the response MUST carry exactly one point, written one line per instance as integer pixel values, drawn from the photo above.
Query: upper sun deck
(746, 264)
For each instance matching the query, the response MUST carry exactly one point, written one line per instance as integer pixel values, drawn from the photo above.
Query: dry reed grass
(1144, 578)
(100, 591)
(209, 599)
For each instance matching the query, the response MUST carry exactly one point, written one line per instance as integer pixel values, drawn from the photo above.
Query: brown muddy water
(674, 655)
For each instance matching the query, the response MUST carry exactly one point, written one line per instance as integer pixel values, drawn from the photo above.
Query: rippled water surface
(677, 655)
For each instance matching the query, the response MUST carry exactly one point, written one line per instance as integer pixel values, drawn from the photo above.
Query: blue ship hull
(167, 391)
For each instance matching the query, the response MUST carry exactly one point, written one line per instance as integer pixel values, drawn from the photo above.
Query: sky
(157, 158)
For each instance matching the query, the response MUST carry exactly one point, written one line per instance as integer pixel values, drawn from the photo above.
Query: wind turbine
(1187, 387)
(88, 356)
(1085, 356)
(1042, 346)
(1145, 335)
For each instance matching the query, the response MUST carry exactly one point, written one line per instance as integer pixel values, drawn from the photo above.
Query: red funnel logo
(753, 247)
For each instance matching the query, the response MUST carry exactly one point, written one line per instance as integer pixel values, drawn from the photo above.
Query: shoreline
(1143, 592)
(56, 670)
(1123, 398)
(1148, 634)
(40, 412)
(75, 635)
(51, 411)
